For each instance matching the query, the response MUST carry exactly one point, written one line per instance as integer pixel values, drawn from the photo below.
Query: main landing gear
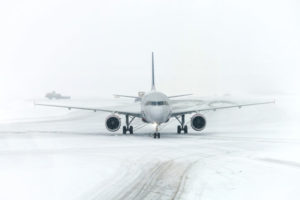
(128, 127)
(156, 134)
(181, 127)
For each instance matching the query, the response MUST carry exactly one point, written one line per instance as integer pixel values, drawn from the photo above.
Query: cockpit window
(156, 103)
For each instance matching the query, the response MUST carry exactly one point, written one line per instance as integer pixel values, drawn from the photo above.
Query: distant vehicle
(157, 108)
(54, 95)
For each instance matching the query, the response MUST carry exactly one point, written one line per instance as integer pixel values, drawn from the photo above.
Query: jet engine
(113, 123)
(198, 122)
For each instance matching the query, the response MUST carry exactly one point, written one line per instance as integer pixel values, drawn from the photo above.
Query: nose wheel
(156, 135)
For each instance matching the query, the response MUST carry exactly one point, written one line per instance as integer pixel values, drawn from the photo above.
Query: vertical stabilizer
(153, 80)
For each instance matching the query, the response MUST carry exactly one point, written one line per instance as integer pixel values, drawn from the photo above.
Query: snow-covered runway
(252, 153)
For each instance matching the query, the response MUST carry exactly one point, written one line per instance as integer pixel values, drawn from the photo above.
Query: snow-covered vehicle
(54, 95)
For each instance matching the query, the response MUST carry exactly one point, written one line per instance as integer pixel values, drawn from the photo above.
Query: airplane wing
(126, 96)
(181, 95)
(181, 111)
(110, 110)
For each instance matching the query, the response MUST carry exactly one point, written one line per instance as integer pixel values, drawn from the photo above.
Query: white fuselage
(155, 107)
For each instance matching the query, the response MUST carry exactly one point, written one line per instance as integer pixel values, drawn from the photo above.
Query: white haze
(96, 48)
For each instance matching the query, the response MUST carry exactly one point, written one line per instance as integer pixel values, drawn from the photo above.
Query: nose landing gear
(156, 134)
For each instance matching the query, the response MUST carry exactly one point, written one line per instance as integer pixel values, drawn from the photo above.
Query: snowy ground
(48, 153)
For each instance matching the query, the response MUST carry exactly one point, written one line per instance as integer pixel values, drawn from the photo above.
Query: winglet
(153, 80)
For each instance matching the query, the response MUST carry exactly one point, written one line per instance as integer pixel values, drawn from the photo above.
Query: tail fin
(153, 80)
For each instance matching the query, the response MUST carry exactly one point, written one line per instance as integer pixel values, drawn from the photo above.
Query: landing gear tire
(124, 130)
(154, 135)
(128, 127)
(178, 129)
(158, 135)
(185, 129)
(131, 130)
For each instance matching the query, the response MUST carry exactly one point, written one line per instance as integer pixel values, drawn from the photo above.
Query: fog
(89, 49)
(97, 48)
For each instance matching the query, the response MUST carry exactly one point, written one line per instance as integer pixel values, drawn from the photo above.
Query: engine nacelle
(113, 123)
(198, 122)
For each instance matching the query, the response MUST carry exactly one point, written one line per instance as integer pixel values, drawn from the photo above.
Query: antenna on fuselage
(153, 80)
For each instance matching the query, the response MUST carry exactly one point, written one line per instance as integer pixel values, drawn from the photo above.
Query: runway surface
(249, 153)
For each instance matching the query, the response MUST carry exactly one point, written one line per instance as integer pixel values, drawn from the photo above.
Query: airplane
(156, 108)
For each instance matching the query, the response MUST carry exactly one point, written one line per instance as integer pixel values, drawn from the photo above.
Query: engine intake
(113, 123)
(198, 122)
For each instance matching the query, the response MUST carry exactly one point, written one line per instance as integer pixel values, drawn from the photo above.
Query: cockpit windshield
(156, 103)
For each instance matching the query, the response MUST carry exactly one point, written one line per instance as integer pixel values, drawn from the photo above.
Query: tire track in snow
(164, 180)
(144, 184)
(180, 187)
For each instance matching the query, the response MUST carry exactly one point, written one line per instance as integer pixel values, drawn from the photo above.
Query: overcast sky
(97, 48)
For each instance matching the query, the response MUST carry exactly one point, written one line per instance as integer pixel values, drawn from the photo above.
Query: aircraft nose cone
(159, 115)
